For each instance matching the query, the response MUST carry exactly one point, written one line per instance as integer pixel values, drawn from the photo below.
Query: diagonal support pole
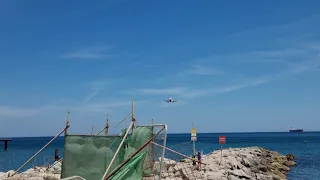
(65, 129)
(135, 153)
(115, 155)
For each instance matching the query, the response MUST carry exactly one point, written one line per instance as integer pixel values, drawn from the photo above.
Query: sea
(305, 146)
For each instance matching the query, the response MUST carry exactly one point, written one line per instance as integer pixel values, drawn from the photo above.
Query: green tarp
(89, 156)
(132, 170)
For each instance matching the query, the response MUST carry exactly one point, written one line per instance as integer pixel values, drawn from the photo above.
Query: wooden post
(221, 154)
(5, 140)
(152, 146)
(67, 123)
(107, 126)
(152, 127)
(126, 123)
(5, 145)
(132, 116)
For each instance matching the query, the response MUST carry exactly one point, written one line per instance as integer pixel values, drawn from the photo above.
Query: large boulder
(290, 157)
(240, 174)
(57, 167)
(168, 162)
(232, 177)
(290, 163)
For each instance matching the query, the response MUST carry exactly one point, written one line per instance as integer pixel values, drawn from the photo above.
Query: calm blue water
(307, 155)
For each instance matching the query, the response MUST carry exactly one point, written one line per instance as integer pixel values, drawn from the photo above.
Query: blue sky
(235, 66)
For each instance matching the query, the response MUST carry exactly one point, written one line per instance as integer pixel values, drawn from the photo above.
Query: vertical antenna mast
(107, 126)
(193, 143)
(67, 123)
(132, 116)
(125, 123)
(152, 146)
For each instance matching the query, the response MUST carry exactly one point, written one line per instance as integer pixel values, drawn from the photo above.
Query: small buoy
(305, 142)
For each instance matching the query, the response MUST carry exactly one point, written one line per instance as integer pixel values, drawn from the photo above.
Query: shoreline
(237, 164)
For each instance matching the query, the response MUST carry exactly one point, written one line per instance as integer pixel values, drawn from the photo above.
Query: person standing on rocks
(56, 155)
(199, 160)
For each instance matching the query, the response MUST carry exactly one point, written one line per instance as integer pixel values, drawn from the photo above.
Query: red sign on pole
(193, 138)
(222, 139)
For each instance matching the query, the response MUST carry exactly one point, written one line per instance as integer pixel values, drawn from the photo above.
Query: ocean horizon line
(182, 133)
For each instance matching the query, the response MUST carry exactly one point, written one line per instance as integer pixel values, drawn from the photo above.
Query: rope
(176, 152)
(64, 129)
(126, 117)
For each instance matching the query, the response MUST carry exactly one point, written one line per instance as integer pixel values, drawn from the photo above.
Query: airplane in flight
(170, 100)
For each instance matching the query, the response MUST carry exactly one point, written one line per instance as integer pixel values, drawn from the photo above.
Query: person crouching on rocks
(199, 161)
(194, 160)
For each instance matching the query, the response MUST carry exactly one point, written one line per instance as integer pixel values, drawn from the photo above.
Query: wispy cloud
(280, 56)
(200, 70)
(101, 106)
(7, 111)
(275, 64)
(181, 74)
(95, 88)
(225, 89)
(105, 106)
(92, 53)
(19, 112)
(269, 60)
(187, 92)
(98, 86)
(281, 44)
(289, 33)
(309, 65)
(191, 92)
(163, 91)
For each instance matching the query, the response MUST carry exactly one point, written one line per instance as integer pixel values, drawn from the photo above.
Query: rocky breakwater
(252, 163)
(36, 173)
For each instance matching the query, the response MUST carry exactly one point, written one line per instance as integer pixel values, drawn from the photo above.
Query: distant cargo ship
(295, 130)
